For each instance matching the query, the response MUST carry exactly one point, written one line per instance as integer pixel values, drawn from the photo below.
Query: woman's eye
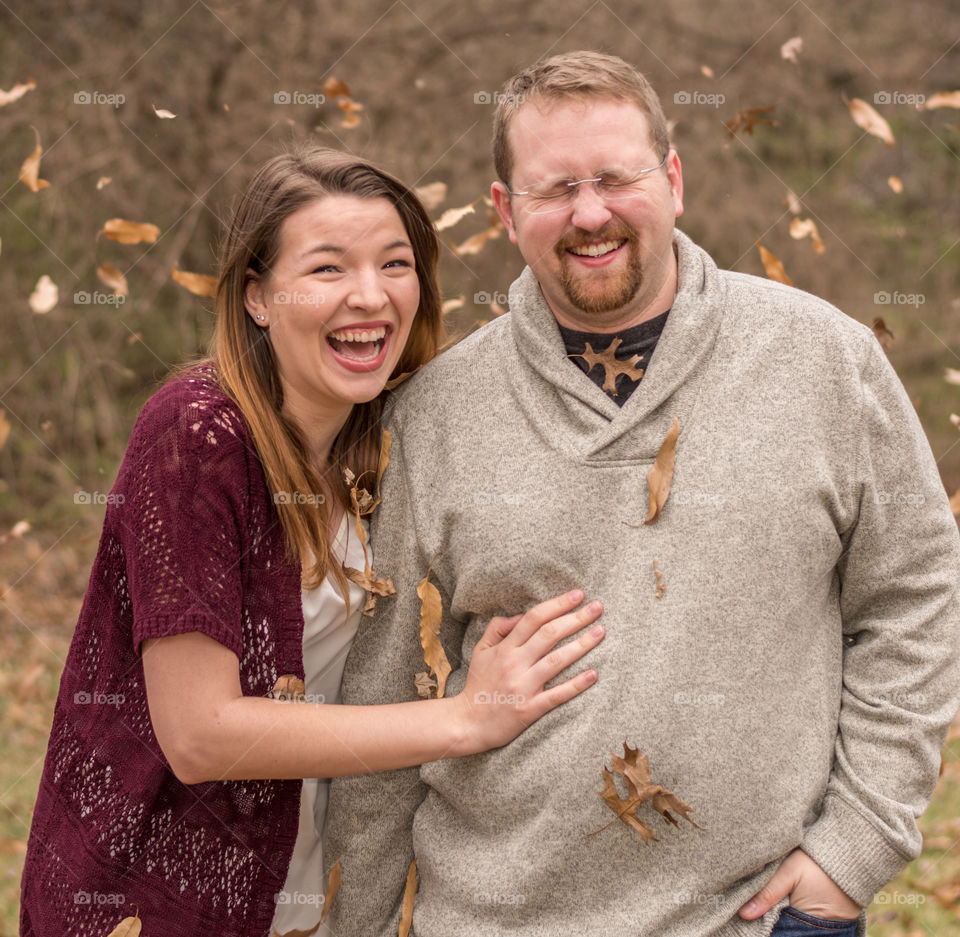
(399, 262)
(325, 268)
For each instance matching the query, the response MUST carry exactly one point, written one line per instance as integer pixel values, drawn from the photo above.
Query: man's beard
(586, 291)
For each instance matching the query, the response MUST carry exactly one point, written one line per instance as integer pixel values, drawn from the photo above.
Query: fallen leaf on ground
(773, 266)
(660, 476)
(612, 366)
(198, 283)
(130, 232)
(30, 168)
(866, 118)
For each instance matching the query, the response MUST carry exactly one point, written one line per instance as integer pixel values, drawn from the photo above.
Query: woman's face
(339, 303)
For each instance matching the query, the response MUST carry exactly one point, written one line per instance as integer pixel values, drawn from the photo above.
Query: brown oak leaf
(612, 366)
(660, 476)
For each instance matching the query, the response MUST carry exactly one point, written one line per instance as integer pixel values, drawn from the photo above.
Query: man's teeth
(360, 335)
(595, 250)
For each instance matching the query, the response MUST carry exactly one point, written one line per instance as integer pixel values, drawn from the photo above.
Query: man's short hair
(574, 75)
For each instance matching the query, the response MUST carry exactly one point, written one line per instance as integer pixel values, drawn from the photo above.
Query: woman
(171, 784)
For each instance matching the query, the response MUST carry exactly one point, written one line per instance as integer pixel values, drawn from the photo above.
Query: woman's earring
(260, 318)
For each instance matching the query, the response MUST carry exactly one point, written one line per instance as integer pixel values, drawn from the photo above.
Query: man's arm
(901, 619)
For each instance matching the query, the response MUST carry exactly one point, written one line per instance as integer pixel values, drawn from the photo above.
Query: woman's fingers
(561, 693)
(535, 618)
(497, 629)
(557, 660)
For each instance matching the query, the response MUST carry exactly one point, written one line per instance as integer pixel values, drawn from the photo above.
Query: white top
(327, 635)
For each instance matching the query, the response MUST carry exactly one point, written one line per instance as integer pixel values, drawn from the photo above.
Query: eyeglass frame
(572, 186)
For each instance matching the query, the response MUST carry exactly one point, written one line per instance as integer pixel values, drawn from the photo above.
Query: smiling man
(781, 644)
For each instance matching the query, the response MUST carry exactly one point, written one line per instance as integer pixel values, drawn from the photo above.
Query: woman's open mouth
(360, 349)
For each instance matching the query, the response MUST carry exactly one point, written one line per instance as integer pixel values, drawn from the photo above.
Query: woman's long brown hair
(245, 360)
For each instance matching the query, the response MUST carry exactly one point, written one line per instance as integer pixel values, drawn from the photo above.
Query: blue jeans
(795, 923)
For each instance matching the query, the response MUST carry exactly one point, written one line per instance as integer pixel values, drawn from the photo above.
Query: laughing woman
(172, 780)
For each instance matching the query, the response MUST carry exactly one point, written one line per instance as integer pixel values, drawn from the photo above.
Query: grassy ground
(40, 592)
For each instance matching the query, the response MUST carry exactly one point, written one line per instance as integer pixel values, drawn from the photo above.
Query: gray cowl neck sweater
(793, 685)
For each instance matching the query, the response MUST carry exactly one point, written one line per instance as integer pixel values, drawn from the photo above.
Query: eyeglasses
(558, 194)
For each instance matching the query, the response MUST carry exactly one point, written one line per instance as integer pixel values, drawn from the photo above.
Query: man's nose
(589, 209)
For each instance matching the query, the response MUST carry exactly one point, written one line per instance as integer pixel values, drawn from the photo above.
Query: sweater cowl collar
(575, 415)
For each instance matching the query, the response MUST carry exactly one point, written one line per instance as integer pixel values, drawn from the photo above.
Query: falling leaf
(634, 768)
(791, 49)
(706, 71)
(4, 429)
(748, 118)
(431, 611)
(496, 308)
(660, 477)
(112, 277)
(130, 232)
(884, 335)
(452, 215)
(453, 304)
(16, 92)
(103, 181)
(333, 886)
(473, 245)
(128, 927)
(333, 87)
(940, 99)
(952, 376)
(349, 108)
(806, 227)
(198, 283)
(792, 202)
(773, 266)
(30, 169)
(660, 582)
(45, 296)
(895, 184)
(20, 528)
(409, 896)
(431, 195)
(426, 685)
(612, 366)
(866, 118)
(161, 113)
(955, 503)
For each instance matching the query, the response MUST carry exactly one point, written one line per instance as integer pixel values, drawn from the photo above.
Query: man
(781, 641)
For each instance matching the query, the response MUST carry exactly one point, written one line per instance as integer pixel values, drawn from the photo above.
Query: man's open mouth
(358, 344)
(597, 250)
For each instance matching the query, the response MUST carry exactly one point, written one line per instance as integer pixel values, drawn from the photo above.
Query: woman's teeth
(360, 344)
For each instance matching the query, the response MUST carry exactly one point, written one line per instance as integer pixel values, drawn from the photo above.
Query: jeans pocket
(796, 923)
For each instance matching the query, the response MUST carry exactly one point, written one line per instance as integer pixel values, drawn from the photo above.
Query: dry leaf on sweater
(333, 886)
(773, 266)
(612, 366)
(128, 927)
(409, 896)
(431, 611)
(426, 685)
(660, 476)
(661, 583)
(634, 768)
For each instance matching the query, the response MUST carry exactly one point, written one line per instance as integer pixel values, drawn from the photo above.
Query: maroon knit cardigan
(191, 542)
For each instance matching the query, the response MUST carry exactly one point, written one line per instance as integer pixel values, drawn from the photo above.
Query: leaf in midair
(130, 232)
(895, 183)
(333, 87)
(748, 118)
(16, 92)
(940, 99)
(431, 611)
(4, 429)
(706, 71)
(162, 114)
(104, 181)
(612, 366)
(791, 49)
(955, 503)
(432, 195)
(350, 116)
(45, 296)
(884, 335)
(451, 305)
(112, 277)
(952, 376)
(30, 169)
(773, 266)
(792, 202)
(660, 477)
(409, 896)
(475, 244)
(452, 215)
(128, 927)
(805, 227)
(866, 118)
(198, 283)
(634, 768)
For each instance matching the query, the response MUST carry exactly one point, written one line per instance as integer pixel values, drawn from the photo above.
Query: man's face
(603, 264)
